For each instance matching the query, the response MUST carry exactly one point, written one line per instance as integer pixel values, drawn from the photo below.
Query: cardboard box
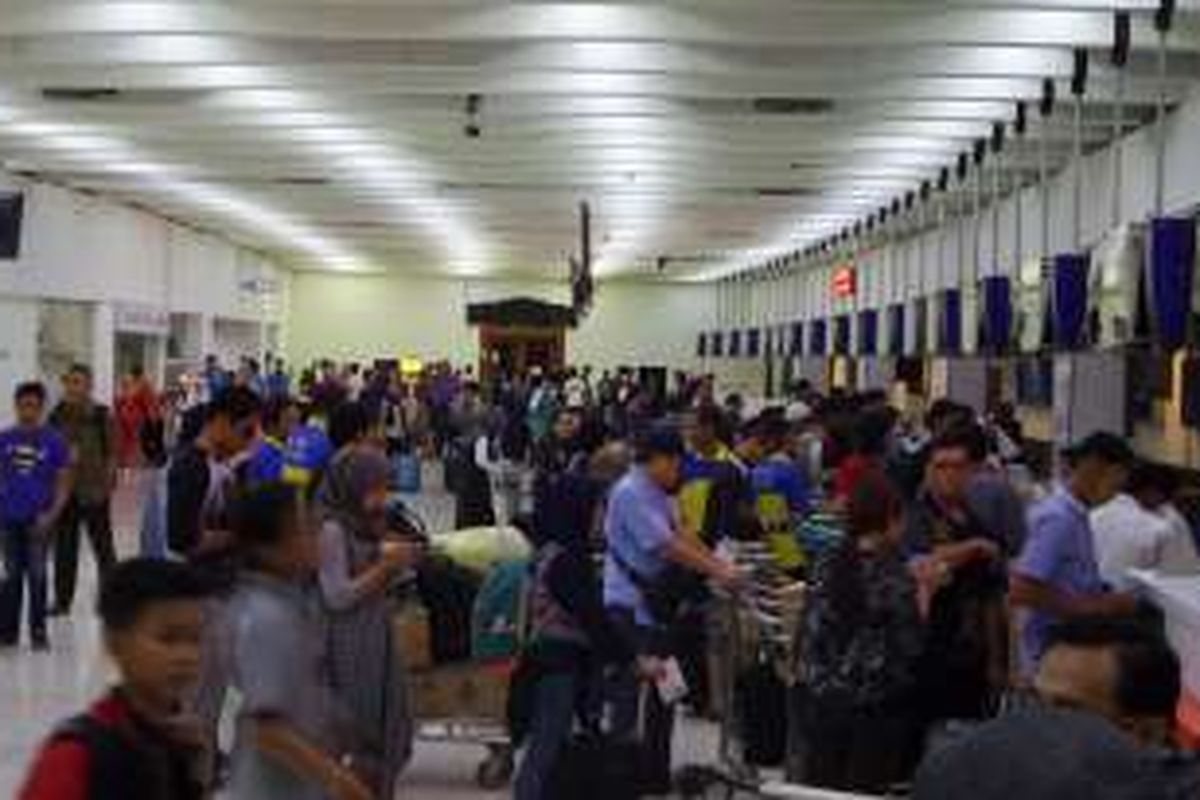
(413, 638)
(461, 691)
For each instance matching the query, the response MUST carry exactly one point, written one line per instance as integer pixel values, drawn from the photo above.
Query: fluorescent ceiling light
(116, 155)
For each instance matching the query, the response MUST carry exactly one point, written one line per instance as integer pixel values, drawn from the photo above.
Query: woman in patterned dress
(360, 564)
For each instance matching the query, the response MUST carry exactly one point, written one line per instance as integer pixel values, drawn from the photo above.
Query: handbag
(596, 766)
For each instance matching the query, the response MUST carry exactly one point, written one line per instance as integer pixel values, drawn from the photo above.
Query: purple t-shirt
(1059, 552)
(30, 460)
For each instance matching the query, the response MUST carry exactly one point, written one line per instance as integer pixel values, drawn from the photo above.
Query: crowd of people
(966, 615)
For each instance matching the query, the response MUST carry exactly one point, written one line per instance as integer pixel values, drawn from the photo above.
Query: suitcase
(595, 767)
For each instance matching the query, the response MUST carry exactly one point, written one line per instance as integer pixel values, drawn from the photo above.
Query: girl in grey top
(359, 564)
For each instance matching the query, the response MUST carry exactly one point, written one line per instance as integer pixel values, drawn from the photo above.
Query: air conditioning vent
(301, 181)
(783, 191)
(793, 105)
(79, 94)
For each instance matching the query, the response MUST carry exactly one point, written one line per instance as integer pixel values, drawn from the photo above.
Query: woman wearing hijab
(360, 563)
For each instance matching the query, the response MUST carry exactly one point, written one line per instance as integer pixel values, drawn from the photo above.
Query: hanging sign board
(845, 282)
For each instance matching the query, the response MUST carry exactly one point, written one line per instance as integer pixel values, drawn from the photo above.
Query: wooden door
(519, 349)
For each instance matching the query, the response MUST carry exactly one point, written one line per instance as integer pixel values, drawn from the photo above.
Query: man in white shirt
(1141, 529)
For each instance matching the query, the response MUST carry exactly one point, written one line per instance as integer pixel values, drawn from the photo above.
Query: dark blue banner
(735, 344)
(1172, 265)
(753, 343)
(797, 338)
(817, 337)
(702, 346)
(996, 322)
(717, 345)
(868, 332)
(950, 322)
(1070, 299)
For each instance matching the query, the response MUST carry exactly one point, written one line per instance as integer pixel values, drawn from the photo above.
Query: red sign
(845, 282)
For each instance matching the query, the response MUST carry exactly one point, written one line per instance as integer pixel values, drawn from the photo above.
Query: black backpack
(126, 765)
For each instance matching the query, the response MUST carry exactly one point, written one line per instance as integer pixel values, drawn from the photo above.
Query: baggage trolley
(467, 704)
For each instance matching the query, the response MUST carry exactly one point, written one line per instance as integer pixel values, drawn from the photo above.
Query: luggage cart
(467, 704)
(744, 624)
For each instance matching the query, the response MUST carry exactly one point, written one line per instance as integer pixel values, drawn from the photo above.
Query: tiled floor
(36, 689)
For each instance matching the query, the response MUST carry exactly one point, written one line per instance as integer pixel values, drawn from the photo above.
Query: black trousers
(625, 695)
(97, 518)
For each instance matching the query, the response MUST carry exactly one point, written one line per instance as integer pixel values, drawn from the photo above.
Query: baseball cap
(1102, 445)
(1039, 754)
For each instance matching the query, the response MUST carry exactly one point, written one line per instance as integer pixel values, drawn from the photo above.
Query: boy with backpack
(134, 744)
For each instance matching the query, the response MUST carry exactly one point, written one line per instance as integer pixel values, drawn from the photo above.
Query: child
(133, 744)
(286, 741)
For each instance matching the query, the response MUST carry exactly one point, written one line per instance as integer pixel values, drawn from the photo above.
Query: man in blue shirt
(35, 486)
(644, 539)
(1057, 576)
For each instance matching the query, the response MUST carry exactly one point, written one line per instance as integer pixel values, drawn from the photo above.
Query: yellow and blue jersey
(699, 474)
(781, 494)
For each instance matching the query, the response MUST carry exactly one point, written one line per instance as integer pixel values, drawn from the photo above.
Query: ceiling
(706, 135)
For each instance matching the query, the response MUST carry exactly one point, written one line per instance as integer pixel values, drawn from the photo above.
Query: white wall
(355, 317)
(91, 250)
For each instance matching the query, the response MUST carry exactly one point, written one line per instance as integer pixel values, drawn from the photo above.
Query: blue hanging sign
(996, 324)
(1172, 263)
(868, 332)
(817, 337)
(950, 322)
(753, 342)
(1070, 299)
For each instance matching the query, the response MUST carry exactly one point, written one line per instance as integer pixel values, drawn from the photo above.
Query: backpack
(119, 769)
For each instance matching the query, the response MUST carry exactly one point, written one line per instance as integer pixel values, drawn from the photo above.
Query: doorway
(515, 350)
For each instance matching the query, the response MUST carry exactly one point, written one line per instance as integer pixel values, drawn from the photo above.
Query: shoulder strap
(112, 765)
(641, 582)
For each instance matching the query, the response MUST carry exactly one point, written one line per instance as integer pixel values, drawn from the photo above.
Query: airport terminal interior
(631, 398)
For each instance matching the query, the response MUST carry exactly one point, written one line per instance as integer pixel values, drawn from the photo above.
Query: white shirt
(1178, 555)
(576, 392)
(1128, 536)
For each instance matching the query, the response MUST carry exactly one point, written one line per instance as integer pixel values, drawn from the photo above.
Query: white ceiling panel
(335, 133)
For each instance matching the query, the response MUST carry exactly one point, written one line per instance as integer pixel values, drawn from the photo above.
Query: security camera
(472, 130)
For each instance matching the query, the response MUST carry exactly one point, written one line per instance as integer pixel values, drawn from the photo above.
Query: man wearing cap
(644, 539)
(1057, 576)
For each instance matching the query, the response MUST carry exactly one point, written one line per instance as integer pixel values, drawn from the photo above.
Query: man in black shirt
(196, 482)
(199, 479)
